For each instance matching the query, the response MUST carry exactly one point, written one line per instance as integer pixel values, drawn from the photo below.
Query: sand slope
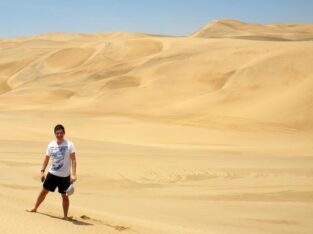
(219, 81)
(208, 133)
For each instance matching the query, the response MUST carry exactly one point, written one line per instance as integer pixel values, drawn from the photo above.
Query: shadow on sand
(84, 223)
(74, 221)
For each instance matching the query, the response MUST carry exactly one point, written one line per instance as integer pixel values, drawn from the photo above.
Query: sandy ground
(193, 134)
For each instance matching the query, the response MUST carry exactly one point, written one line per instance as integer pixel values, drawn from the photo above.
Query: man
(62, 153)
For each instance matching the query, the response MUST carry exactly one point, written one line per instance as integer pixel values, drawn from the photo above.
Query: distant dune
(235, 29)
(207, 133)
(223, 82)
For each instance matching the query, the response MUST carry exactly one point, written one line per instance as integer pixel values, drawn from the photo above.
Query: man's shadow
(74, 221)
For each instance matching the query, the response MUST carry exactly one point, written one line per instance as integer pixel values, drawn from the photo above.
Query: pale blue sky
(171, 17)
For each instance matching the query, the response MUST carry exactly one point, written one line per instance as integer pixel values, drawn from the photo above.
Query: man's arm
(73, 159)
(44, 166)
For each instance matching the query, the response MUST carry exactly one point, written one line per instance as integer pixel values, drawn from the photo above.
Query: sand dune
(271, 32)
(208, 133)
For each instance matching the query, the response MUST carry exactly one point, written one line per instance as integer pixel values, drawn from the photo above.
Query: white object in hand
(70, 190)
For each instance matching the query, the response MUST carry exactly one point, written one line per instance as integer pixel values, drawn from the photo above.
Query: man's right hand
(42, 177)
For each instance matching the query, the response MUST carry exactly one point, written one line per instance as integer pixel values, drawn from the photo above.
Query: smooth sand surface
(208, 133)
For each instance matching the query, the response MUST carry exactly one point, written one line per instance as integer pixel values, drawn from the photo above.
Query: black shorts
(53, 181)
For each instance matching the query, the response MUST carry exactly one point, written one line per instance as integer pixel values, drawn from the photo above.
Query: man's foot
(67, 218)
(31, 210)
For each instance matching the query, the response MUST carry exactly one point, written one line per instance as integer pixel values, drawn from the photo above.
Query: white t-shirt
(60, 155)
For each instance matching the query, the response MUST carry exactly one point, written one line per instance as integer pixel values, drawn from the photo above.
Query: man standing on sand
(63, 157)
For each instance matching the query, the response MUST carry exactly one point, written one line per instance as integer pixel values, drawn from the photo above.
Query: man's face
(59, 134)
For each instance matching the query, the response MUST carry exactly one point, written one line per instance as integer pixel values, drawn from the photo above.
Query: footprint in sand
(85, 217)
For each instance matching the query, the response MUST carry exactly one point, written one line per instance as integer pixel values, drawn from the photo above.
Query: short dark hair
(59, 127)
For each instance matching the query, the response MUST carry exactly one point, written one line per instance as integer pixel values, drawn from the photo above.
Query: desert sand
(207, 133)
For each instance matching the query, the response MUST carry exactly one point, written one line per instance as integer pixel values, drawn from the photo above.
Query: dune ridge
(226, 28)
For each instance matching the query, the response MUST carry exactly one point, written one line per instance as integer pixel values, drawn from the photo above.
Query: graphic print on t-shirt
(58, 155)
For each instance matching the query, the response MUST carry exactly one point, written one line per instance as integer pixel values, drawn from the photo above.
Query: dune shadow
(72, 220)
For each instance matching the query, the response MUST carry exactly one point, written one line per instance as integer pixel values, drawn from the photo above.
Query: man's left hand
(73, 178)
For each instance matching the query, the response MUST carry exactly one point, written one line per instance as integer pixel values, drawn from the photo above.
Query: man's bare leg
(42, 195)
(66, 204)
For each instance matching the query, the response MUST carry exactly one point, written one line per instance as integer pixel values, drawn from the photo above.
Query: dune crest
(226, 28)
